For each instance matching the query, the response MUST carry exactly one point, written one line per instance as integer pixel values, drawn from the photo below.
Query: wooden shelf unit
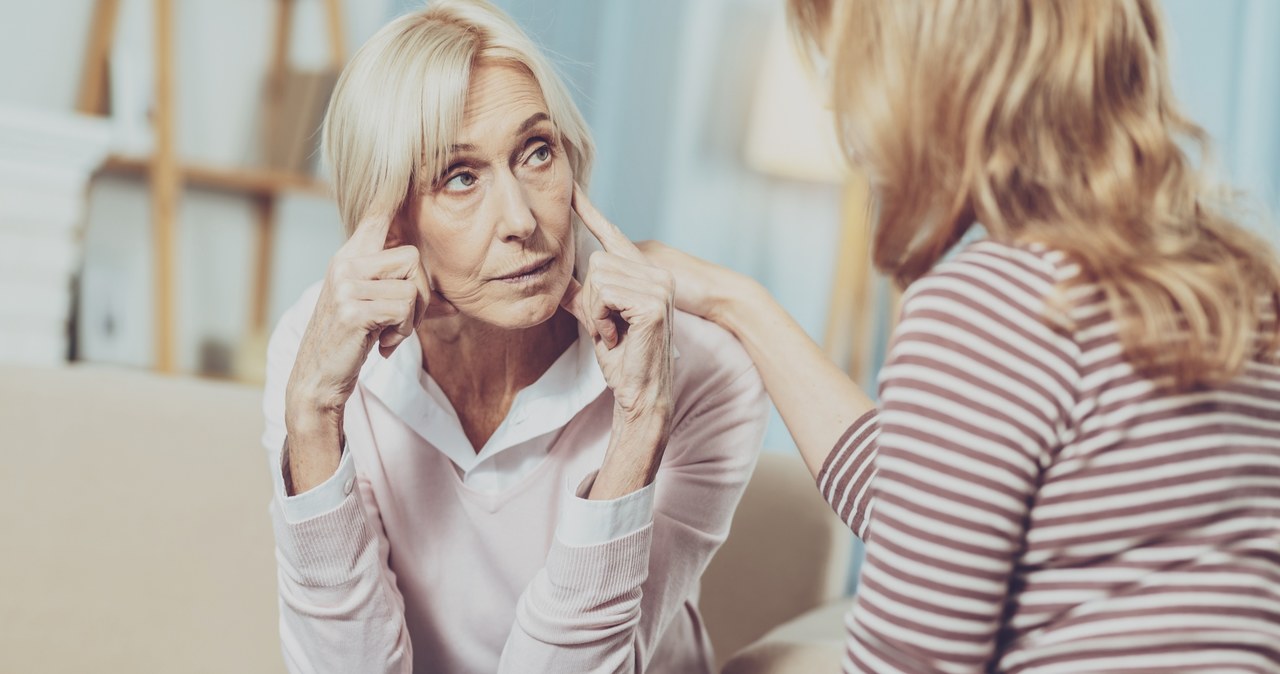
(167, 175)
(239, 180)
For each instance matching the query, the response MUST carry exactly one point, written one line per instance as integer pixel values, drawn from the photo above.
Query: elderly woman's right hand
(371, 293)
(626, 305)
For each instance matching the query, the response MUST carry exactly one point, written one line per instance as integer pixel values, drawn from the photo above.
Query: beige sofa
(136, 537)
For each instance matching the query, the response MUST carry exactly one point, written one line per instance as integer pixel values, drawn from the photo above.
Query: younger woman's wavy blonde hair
(398, 105)
(1049, 121)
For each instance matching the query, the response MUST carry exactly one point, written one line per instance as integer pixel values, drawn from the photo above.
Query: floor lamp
(791, 135)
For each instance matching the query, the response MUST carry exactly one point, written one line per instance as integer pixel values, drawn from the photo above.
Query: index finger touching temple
(612, 238)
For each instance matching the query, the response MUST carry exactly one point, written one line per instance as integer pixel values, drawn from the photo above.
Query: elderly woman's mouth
(533, 271)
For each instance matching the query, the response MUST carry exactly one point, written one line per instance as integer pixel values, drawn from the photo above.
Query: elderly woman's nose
(516, 216)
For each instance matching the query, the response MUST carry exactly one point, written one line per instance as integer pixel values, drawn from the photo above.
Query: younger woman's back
(1153, 542)
(1040, 506)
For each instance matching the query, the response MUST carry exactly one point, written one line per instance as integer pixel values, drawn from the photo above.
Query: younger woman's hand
(705, 289)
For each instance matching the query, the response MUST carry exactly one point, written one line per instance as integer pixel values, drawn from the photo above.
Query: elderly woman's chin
(525, 303)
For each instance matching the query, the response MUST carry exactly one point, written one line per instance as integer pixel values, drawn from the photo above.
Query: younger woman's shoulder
(990, 315)
(1033, 267)
(998, 276)
(996, 287)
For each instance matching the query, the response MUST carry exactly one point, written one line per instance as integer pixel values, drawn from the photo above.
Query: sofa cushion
(809, 644)
(136, 530)
(787, 552)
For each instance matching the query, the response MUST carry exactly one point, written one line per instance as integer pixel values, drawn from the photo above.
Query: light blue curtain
(1226, 71)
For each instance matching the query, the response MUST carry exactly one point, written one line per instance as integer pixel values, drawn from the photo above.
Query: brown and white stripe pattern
(1040, 507)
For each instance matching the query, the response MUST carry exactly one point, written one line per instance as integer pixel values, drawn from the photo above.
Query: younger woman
(1075, 460)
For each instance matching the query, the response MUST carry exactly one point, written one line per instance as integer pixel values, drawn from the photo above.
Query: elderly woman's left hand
(626, 305)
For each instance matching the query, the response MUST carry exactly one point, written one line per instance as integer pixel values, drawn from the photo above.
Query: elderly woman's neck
(481, 368)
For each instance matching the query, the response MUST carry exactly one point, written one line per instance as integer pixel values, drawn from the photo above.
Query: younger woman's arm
(832, 421)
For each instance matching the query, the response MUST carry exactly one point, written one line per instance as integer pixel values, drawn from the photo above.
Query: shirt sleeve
(340, 609)
(584, 522)
(973, 398)
(847, 475)
(603, 607)
(324, 497)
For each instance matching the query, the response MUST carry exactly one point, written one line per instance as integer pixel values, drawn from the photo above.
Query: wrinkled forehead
(502, 101)
(498, 100)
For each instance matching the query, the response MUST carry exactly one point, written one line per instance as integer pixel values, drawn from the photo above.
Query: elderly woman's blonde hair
(1049, 121)
(399, 103)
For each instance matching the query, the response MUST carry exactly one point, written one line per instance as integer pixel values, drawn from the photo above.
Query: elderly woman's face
(496, 229)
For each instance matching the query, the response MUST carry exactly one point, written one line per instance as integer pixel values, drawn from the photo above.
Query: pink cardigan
(415, 571)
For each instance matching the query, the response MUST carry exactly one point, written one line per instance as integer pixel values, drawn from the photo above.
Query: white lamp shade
(790, 134)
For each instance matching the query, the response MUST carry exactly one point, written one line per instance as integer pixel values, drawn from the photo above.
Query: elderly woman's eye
(461, 181)
(540, 155)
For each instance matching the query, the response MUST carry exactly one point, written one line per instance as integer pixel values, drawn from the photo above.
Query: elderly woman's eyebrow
(533, 120)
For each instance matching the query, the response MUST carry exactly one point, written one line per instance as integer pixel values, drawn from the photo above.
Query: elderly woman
(532, 470)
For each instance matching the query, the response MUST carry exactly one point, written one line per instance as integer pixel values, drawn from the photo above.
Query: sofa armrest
(786, 546)
(139, 536)
(812, 642)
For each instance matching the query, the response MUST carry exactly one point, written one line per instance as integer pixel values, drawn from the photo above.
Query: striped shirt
(1039, 506)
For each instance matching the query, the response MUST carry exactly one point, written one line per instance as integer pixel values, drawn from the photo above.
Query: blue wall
(1226, 72)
